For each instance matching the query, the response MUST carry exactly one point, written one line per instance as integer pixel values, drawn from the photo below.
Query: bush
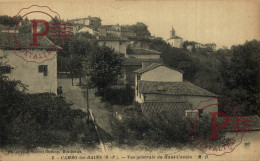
(123, 96)
(37, 120)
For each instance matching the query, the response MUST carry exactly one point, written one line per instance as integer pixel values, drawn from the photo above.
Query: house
(174, 40)
(39, 78)
(118, 30)
(160, 88)
(114, 42)
(139, 55)
(189, 48)
(208, 46)
(132, 64)
(90, 30)
(89, 21)
(142, 53)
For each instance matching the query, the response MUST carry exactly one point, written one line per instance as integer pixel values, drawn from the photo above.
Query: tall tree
(140, 29)
(105, 66)
(241, 76)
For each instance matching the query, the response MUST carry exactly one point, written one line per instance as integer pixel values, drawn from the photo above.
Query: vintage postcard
(129, 80)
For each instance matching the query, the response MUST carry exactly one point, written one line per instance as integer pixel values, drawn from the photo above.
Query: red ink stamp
(218, 128)
(40, 38)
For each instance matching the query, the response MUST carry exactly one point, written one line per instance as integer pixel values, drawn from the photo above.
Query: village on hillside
(116, 85)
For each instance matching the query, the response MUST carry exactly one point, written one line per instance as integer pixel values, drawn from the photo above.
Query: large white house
(161, 88)
(38, 78)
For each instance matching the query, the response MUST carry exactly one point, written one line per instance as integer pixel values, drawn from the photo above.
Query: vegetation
(105, 67)
(241, 77)
(161, 131)
(121, 96)
(33, 119)
(230, 73)
(140, 29)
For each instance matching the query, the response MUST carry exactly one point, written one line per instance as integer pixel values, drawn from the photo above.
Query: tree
(33, 119)
(140, 29)
(241, 76)
(105, 66)
(74, 56)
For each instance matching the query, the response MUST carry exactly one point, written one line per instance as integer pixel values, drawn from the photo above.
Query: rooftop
(153, 66)
(111, 37)
(135, 61)
(176, 108)
(142, 51)
(24, 40)
(173, 88)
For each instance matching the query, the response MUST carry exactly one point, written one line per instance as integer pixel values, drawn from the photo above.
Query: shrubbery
(122, 96)
(37, 120)
(161, 130)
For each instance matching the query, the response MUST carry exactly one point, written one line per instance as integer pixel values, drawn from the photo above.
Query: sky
(224, 22)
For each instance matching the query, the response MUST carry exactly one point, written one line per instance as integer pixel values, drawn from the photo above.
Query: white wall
(28, 74)
(176, 42)
(121, 48)
(140, 56)
(162, 74)
(86, 29)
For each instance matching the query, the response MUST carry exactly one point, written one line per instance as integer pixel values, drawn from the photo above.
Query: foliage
(8, 20)
(186, 43)
(122, 96)
(241, 76)
(105, 66)
(140, 29)
(32, 119)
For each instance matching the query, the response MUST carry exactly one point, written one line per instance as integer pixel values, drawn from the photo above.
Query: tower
(172, 33)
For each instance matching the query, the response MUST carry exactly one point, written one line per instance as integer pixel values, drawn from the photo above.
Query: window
(43, 69)
(191, 113)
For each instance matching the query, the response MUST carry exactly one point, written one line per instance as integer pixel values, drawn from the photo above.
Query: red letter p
(214, 123)
(35, 34)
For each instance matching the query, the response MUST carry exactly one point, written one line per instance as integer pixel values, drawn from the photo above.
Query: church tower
(172, 33)
(174, 40)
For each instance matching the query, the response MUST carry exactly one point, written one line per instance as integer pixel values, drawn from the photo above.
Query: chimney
(145, 64)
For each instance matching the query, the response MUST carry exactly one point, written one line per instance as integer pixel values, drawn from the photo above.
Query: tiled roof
(142, 51)
(153, 66)
(24, 40)
(135, 61)
(151, 109)
(172, 88)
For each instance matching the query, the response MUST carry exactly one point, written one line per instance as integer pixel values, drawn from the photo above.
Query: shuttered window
(43, 69)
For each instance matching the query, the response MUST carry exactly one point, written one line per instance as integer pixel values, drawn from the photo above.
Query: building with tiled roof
(183, 88)
(10, 42)
(88, 21)
(152, 66)
(133, 64)
(161, 88)
(34, 66)
(117, 43)
(118, 30)
(152, 109)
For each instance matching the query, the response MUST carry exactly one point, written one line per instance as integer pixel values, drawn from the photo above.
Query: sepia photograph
(129, 80)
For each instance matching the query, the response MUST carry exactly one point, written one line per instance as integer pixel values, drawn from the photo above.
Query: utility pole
(88, 103)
